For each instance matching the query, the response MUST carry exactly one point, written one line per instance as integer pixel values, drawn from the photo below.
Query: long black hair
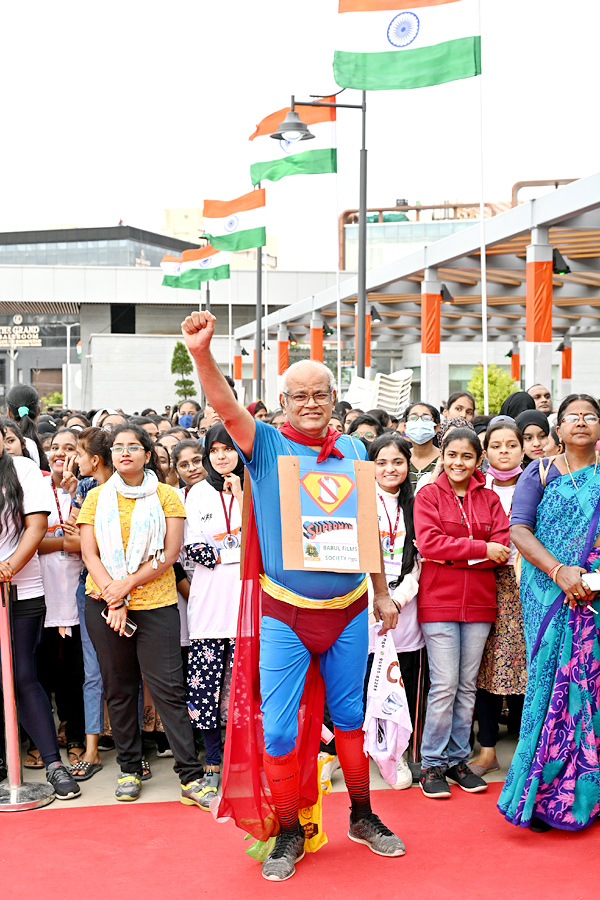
(11, 495)
(405, 500)
(147, 443)
(23, 402)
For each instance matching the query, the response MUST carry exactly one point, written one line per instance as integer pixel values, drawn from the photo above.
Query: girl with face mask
(422, 423)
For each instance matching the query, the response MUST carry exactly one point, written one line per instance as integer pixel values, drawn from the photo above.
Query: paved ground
(164, 784)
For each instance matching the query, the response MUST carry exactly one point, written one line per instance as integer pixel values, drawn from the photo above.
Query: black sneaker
(371, 831)
(433, 783)
(289, 849)
(65, 786)
(461, 775)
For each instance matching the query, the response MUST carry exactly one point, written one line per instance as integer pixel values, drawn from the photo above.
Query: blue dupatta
(555, 772)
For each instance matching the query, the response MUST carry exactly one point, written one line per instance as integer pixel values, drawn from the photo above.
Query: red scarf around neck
(326, 443)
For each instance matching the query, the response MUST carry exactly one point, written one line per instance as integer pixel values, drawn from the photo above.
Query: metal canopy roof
(572, 214)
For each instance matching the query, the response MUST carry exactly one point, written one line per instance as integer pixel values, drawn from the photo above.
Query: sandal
(146, 770)
(75, 751)
(87, 769)
(33, 760)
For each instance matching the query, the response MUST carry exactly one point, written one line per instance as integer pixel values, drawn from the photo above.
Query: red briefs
(317, 628)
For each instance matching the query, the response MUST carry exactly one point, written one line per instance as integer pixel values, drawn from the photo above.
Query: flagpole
(207, 298)
(484, 312)
(258, 353)
(338, 304)
(266, 292)
(230, 325)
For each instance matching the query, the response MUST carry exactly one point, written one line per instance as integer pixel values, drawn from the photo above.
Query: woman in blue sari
(554, 778)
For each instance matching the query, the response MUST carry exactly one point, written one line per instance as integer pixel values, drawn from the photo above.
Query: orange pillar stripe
(430, 323)
(368, 341)
(566, 363)
(538, 302)
(283, 357)
(237, 368)
(515, 366)
(316, 343)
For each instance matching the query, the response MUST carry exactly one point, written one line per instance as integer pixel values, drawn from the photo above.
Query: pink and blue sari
(555, 771)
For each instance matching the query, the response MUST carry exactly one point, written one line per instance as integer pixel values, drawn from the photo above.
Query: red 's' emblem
(327, 491)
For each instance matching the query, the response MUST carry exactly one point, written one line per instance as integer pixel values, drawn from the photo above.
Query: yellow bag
(311, 817)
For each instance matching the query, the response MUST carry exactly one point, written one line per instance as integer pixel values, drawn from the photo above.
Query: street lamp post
(293, 129)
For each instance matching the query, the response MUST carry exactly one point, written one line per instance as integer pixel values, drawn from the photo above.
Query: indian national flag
(171, 266)
(205, 264)
(392, 44)
(273, 159)
(238, 224)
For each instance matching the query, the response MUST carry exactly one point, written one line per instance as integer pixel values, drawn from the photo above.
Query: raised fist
(198, 329)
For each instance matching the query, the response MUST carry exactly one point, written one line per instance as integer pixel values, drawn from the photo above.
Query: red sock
(355, 766)
(283, 775)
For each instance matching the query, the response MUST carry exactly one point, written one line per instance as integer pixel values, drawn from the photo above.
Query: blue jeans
(283, 665)
(93, 691)
(454, 650)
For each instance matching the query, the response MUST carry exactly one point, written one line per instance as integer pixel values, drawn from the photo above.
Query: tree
(500, 385)
(181, 364)
(55, 400)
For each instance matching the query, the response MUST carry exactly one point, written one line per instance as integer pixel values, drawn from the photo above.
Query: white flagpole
(338, 304)
(484, 313)
(266, 307)
(230, 325)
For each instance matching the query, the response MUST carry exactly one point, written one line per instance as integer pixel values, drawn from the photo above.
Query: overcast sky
(120, 109)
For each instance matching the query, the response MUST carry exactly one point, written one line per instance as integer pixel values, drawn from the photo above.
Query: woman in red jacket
(462, 534)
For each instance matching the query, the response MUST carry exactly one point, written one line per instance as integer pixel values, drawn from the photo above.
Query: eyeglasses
(119, 449)
(426, 417)
(368, 434)
(184, 466)
(573, 418)
(301, 399)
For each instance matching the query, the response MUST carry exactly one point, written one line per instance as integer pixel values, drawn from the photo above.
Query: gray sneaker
(371, 831)
(212, 781)
(129, 785)
(289, 849)
(65, 786)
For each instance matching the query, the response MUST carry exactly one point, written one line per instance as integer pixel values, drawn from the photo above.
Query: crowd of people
(122, 534)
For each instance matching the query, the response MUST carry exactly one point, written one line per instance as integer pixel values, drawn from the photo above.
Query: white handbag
(387, 724)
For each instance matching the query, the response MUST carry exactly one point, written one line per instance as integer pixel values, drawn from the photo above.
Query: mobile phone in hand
(130, 627)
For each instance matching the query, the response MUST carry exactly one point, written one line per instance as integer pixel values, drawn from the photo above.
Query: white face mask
(420, 432)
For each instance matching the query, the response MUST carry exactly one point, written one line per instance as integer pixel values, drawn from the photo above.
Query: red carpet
(458, 848)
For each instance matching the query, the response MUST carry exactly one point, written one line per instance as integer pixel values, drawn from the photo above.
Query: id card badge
(189, 565)
(230, 555)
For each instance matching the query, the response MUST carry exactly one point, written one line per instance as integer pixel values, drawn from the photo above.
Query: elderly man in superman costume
(307, 617)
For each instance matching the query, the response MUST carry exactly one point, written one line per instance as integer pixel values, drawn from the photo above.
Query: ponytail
(23, 402)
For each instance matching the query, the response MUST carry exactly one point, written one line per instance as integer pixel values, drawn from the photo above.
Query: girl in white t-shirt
(213, 540)
(391, 455)
(24, 508)
(60, 656)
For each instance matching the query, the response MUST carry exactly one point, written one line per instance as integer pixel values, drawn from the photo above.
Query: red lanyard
(392, 533)
(463, 513)
(186, 492)
(227, 512)
(60, 518)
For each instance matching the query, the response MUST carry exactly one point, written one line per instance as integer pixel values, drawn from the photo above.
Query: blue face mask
(419, 432)
(185, 420)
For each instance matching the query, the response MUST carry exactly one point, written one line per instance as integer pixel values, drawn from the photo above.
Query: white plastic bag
(387, 721)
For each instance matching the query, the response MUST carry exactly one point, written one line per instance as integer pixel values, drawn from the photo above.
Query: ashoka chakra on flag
(231, 224)
(403, 29)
